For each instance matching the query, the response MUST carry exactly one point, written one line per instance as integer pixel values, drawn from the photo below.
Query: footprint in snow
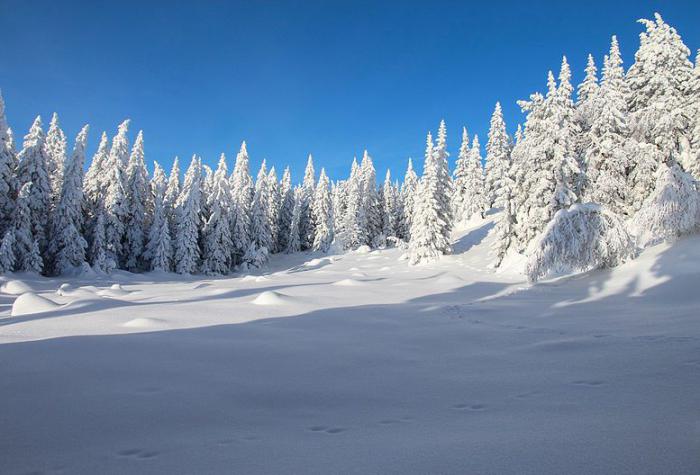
(137, 453)
(327, 430)
(470, 407)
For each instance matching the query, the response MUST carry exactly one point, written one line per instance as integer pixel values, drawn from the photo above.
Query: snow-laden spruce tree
(216, 234)
(339, 198)
(100, 260)
(26, 247)
(370, 202)
(353, 232)
(444, 185)
(428, 241)
(32, 169)
(7, 252)
(241, 205)
(504, 230)
(294, 240)
(659, 110)
(94, 183)
(671, 210)
(607, 155)
(497, 155)
(586, 96)
(470, 196)
(306, 227)
(390, 221)
(159, 252)
(258, 253)
(286, 209)
(138, 206)
(66, 245)
(116, 209)
(322, 214)
(273, 209)
(692, 162)
(583, 237)
(187, 216)
(409, 187)
(172, 192)
(7, 171)
(56, 149)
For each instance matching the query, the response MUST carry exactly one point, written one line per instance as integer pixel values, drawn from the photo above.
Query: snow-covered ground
(357, 363)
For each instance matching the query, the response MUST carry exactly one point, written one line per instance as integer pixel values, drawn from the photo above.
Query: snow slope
(358, 364)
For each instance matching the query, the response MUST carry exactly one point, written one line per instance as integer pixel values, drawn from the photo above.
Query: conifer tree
(187, 214)
(389, 211)
(273, 209)
(115, 203)
(137, 200)
(95, 179)
(32, 169)
(242, 204)
(7, 253)
(56, 149)
(99, 258)
(322, 213)
(67, 245)
(354, 224)
(26, 248)
(172, 192)
(444, 185)
(159, 251)
(7, 171)
(408, 199)
(286, 209)
(259, 221)
(293, 241)
(497, 155)
(216, 238)
(306, 227)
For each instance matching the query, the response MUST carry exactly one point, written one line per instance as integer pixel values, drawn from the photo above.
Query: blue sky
(292, 78)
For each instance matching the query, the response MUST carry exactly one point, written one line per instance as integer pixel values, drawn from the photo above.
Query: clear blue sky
(330, 78)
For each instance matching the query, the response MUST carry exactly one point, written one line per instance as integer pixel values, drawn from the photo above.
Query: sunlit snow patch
(273, 298)
(29, 303)
(15, 287)
(144, 322)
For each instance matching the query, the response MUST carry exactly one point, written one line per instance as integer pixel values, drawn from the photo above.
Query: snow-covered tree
(370, 202)
(286, 209)
(583, 237)
(444, 185)
(672, 209)
(32, 169)
(7, 252)
(273, 209)
(187, 215)
(159, 252)
(172, 192)
(428, 241)
(100, 260)
(409, 187)
(339, 199)
(260, 221)
(586, 95)
(469, 197)
(241, 205)
(26, 247)
(137, 202)
(497, 155)
(293, 241)
(390, 216)
(504, 230)
(95, 179)
(607, 155)
(322, 214)
(116, 208)
(306, 227)
(216, 237)
(56, 149)
(353, 232)
(67, 245)
(7, 171)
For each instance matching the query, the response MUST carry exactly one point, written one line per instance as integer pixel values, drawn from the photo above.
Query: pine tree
(172, 192)
(216, 238)
(322, 214)
(293, 241)
(353, 232)
(444, 185)
(408, 199)
(56, 149)
(159, 250)
(427, 238)
(286, 209)
(389, 211)
(339, 198)
(497, 155)
(95, 180)
(26, 248)
(7, 171)
(99, 258)
(692, 162)
(137, 202)
(242, 204)
(504, 230)
(67, 245)
(32, 169)
(306, 227)
(7, 253)
(587, 105)
(187, 215)
(370, 203)
(607, 155)
(115, 204)
(470, 196)
(273, 209)
(259, 221)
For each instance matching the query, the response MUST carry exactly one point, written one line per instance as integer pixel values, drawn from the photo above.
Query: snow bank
(15, 287)
(29, 303)
(145, 322)
(273, 298)
(349, 283)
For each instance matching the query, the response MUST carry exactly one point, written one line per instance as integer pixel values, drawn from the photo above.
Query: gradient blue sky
(299, 77)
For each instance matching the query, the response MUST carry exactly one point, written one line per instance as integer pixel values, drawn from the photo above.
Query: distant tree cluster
(582, 184)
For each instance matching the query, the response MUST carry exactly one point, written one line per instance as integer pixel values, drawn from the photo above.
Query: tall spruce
(138, 207)
(159, 252)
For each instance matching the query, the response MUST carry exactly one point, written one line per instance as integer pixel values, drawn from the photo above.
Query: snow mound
(67, 290)
(29, 303)
(261, 278)
(116, 290)
(273, 298)
(363, 250)
(313, 263)
(15, 287)
(144, 322)
(359, 274)
(250, 278)
(348, 283)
